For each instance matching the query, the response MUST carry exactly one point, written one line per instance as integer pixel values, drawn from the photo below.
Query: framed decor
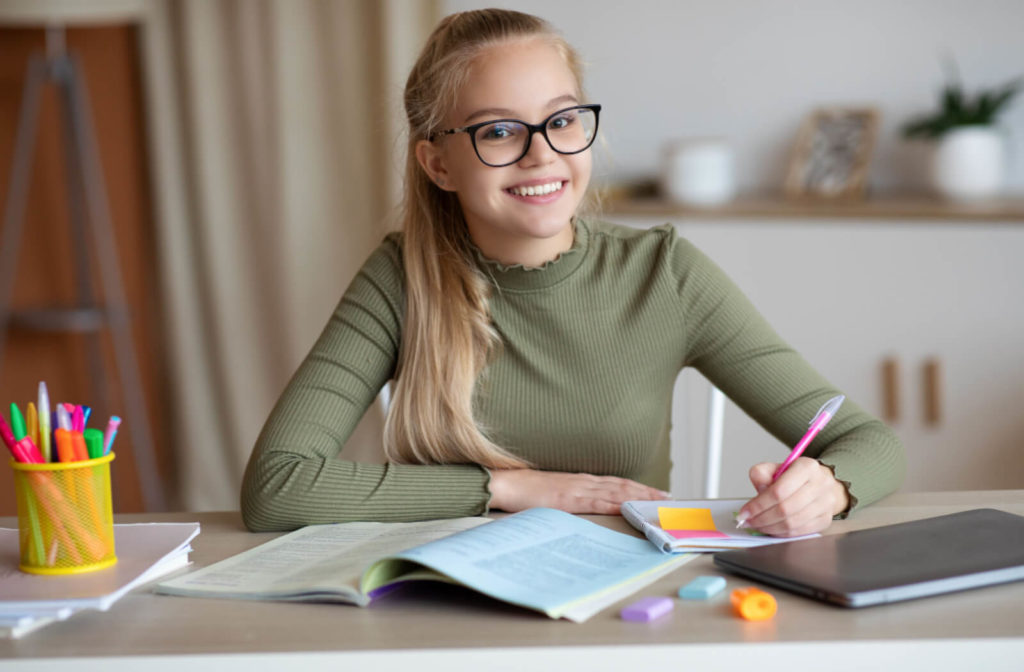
(832, 153)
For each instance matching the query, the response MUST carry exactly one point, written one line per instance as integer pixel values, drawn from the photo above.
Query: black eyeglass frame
(541, 128)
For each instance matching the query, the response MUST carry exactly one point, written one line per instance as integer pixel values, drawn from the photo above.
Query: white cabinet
(850, 294)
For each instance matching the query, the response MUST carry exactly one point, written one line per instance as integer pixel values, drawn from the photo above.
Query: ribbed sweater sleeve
(732, 345)
(294, 476)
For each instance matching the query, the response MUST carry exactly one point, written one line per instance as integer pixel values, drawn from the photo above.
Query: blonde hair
(448, 338)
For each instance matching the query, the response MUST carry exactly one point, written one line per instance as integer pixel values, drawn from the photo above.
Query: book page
(540, 558)
(316, 563)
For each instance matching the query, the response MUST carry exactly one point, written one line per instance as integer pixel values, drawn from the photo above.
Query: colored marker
(28, 451)
(44, 422)
(17, 423)
(86, 411)
(62, 439)
(7, 435)
(32, 422)
(64, 417)
(108, 436)
(77, 419)
(78, 445)
(94, 442)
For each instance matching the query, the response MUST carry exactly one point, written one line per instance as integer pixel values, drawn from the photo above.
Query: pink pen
(821, 419)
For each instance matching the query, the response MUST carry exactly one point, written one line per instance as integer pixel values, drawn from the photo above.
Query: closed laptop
(925, 557)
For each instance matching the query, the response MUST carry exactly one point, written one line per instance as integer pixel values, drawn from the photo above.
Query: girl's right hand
(518, 489)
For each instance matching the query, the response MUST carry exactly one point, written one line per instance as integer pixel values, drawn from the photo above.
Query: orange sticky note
(672, 518)
(684, 523)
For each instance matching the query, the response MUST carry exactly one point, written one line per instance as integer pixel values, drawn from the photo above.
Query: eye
(563, 120)
(496, 132)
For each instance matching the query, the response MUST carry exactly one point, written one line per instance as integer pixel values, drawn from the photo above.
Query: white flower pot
(970, 163)
(699, 171)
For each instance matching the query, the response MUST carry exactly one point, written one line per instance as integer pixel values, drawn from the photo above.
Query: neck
(526, 251)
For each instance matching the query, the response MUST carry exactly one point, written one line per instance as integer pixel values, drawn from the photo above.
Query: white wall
(750, 70)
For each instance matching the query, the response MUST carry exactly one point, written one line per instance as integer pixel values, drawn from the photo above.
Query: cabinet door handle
(891, 389)
(932, 374)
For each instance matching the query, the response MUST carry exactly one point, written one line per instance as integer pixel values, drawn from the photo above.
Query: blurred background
(249, 153)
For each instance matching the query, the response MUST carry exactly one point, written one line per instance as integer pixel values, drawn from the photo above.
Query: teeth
(538, 190)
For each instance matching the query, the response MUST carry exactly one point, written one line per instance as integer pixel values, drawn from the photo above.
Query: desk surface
(455, 628)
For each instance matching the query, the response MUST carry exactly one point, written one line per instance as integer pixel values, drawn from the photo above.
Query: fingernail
(741, 520)
(666, 495)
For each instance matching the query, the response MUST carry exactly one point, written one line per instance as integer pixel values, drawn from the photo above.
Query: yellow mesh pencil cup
(65, 516)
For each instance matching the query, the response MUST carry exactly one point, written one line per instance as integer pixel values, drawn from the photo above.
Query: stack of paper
(145, 552)
(696, 526)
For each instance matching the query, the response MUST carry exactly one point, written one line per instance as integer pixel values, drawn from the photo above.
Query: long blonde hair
(448, 338)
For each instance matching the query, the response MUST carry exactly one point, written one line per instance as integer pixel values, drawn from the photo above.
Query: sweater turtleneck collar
(524, 279)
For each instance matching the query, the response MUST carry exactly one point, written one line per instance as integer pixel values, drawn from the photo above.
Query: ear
(431, 159)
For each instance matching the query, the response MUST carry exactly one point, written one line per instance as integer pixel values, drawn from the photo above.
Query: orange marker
(65, 451)
(753, 604)
(78, 444)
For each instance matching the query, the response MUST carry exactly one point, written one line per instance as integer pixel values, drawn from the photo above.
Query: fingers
(518, 489)
(761, 475)
(587, 493)
(799, 502)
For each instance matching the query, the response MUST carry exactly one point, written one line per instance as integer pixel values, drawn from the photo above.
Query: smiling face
(520, 213)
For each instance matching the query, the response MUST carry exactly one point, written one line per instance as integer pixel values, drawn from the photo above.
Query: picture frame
(832, 153)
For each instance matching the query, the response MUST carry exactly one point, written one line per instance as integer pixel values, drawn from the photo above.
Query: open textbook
(695, 526)
(542, 559)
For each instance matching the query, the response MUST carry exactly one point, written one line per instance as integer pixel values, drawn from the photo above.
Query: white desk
(447, 628)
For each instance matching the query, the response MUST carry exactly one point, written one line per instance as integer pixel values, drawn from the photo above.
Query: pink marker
(78, 419)
(108, 436)
(821, 419)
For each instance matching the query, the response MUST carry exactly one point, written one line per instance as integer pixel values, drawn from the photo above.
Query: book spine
(654, 534)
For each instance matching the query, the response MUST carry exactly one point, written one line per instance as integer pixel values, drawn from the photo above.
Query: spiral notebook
(695, 526)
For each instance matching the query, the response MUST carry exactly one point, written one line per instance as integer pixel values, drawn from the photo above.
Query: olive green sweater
(592, 343)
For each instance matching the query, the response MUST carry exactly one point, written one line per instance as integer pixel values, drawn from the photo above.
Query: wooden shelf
(776, 206)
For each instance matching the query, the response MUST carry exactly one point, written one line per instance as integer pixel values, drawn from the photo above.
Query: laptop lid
(948, 553)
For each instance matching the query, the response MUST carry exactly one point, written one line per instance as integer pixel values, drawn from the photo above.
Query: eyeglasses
(503, 142)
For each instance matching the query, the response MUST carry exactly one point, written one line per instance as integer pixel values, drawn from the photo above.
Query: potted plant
(969, 161)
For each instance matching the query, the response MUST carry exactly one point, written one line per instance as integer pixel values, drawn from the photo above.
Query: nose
(540, 151)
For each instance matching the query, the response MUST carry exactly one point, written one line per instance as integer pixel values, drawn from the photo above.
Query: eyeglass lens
(504, 142)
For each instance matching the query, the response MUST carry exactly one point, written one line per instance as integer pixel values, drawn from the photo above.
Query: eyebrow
(504, 112)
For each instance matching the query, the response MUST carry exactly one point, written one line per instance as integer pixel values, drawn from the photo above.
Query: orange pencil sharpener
(753, 604)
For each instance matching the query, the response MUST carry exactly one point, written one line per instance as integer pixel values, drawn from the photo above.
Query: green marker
(17, 423)
(94, 442)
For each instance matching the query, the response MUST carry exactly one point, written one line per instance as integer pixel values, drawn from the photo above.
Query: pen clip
(830, 407)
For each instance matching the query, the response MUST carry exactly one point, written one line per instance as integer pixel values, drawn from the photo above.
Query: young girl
(532, 349)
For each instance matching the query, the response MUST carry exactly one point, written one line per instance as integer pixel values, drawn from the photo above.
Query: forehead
(522, 76)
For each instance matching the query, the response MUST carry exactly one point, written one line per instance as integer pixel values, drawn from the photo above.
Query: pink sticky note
(697, 534)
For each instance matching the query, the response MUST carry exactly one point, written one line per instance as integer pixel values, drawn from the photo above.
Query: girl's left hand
(802, 501)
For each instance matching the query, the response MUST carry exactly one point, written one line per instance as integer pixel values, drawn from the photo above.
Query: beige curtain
(287, 115)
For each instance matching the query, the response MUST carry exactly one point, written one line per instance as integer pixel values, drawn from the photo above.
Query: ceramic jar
(970, 163)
